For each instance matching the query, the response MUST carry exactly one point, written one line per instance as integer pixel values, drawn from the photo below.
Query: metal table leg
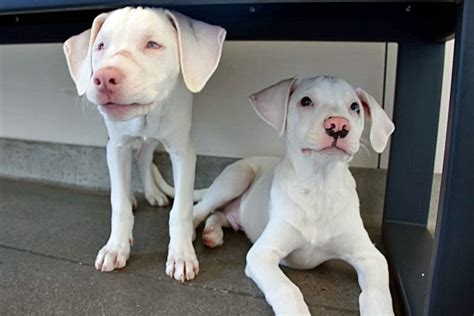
(407, 198)
(451, 283)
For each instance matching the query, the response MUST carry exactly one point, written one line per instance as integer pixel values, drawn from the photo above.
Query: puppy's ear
(271, 103)
(382, 127)
(200, 48)
(77, 50)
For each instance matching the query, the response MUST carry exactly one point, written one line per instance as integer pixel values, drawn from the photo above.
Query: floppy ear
(271, 103)
(382, 127)
(200, 48)
(77, 50)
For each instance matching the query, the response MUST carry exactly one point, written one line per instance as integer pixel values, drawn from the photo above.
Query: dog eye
(100, 46)
(306, 101)
(355, 107)
(153, 45)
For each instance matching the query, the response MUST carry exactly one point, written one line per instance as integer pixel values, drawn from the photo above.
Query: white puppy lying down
(303, 209)
(140, 66)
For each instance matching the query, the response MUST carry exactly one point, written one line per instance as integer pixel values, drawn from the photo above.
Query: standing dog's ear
(382, 127)
(200, 49)
(78, 50)
(271, 103)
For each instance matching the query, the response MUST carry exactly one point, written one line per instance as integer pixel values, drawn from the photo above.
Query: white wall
(38, 102)
(37, 98)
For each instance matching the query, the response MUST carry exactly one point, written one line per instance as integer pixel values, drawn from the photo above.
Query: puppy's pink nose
(337, 123)
(108, 79)
(337, 126)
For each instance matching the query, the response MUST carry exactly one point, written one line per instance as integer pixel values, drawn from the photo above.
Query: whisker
(86, 108)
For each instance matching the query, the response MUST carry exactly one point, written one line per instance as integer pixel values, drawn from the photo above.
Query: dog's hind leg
(153, 194)
(213, 235)
(229, 185)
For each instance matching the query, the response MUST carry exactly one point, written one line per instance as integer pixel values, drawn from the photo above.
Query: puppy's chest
(142, 127)
(323, 214)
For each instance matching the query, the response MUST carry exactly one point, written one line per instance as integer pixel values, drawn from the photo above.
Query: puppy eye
(355, 107)
(153, 45)
(306, 101)
(100, 46)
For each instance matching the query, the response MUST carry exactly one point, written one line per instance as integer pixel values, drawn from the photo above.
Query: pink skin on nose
(337, 123)
(107, 82)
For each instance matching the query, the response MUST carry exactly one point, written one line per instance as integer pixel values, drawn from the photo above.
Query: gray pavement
(49, 236)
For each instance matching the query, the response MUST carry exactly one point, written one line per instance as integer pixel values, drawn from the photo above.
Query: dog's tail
(168, 189)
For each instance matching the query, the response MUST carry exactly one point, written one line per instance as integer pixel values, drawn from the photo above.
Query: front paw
(182, 263)
(288, 301)
(112, 256)
(375, 302)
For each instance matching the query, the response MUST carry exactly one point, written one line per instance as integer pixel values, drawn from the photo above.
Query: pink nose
(108, 79)
(337, 123)
(337, 126)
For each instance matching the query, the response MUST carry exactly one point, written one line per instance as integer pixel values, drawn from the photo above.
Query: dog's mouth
(333, 150)
(119, 111)
(112, 105)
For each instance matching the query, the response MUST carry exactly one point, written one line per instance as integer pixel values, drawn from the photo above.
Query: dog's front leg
(276, 242)
(182, 263)
(115, 253)
(372, 272)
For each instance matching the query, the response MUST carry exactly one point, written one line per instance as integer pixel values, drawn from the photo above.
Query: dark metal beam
(325, 21)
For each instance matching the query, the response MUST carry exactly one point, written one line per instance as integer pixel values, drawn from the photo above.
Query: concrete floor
(49, 236)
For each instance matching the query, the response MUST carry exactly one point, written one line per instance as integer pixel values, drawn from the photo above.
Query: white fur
(303, 209)
(154, 105)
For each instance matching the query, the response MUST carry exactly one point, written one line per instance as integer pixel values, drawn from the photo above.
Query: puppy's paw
(213, 236)
(375, 302)
(155, 197)
(182, 263)
(288, 300)
(113, 256)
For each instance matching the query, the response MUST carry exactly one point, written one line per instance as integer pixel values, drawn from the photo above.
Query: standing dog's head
(323, 116)
(131, 58)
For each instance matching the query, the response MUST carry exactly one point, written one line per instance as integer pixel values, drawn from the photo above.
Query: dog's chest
(324, 213)
(142, 127)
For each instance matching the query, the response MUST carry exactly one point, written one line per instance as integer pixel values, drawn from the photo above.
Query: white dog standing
(140, 66)
(303, 209)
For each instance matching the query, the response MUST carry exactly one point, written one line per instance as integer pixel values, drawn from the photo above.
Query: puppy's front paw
(182, 263)
(288, 300)
(112, 256)
(375, 302)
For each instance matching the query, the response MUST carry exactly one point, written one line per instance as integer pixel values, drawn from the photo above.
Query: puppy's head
(323, 116)
(130, 59)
